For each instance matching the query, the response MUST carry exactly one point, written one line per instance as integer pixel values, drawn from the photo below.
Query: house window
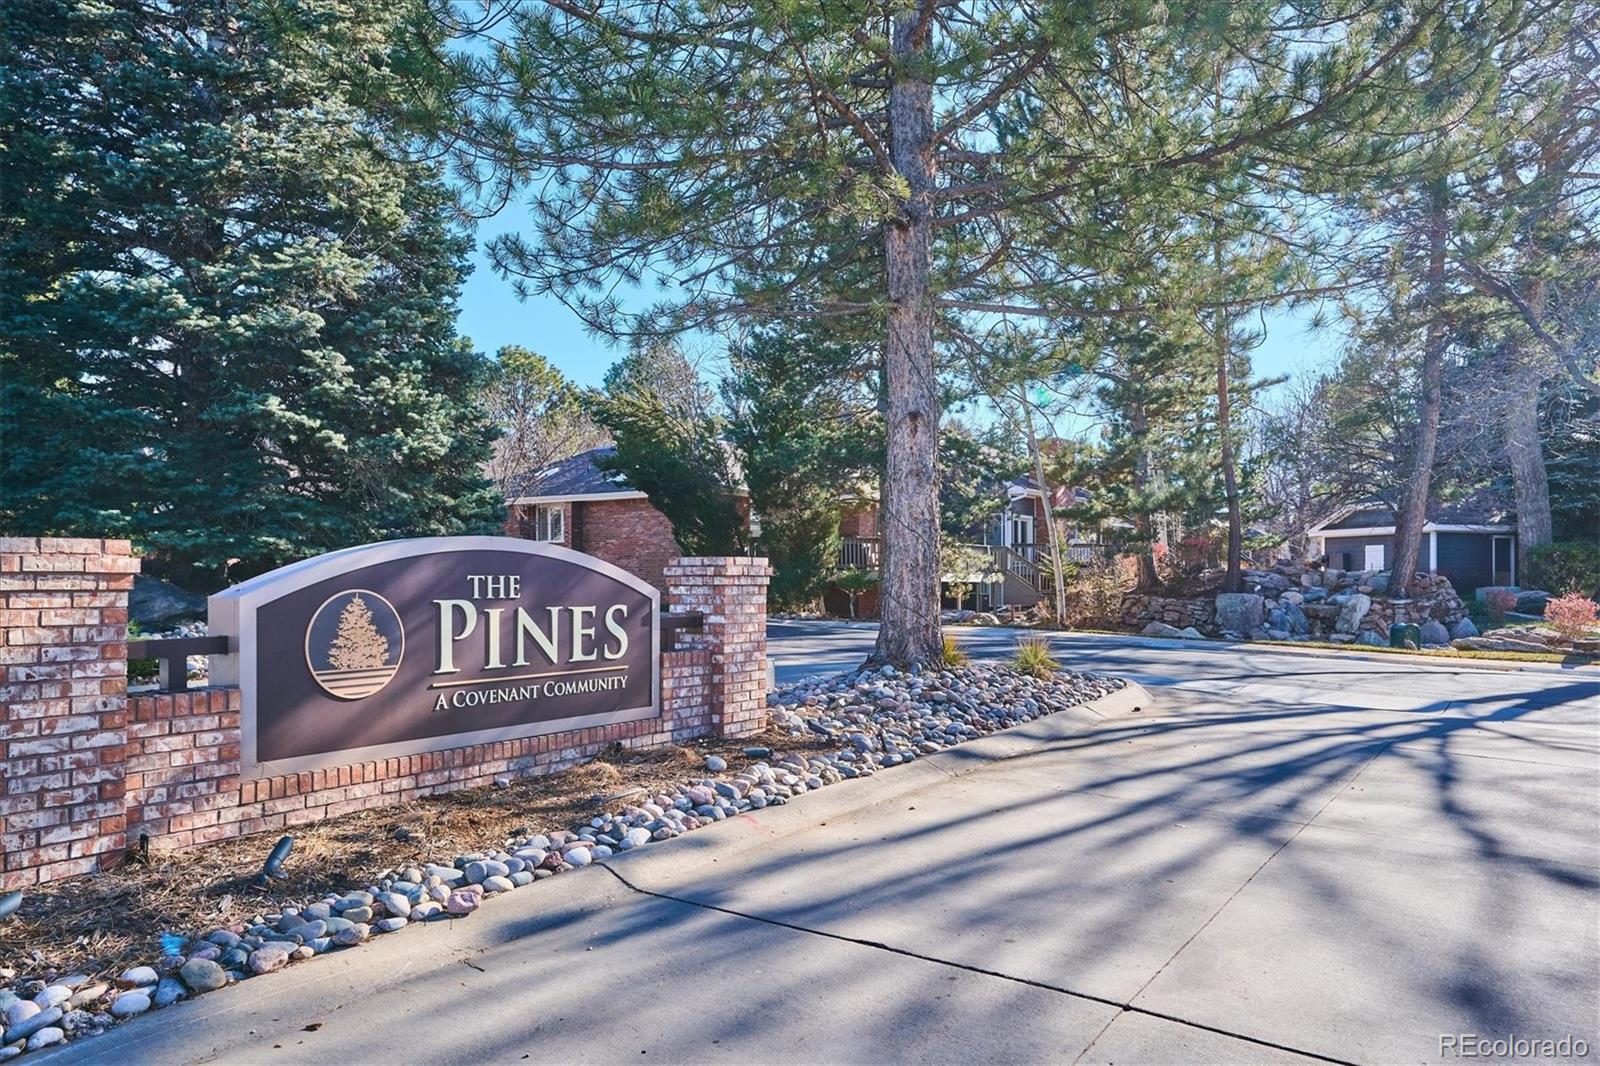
(549, 522)
(1374, 559)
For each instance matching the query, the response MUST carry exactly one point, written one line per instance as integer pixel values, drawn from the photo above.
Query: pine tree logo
(354, 644)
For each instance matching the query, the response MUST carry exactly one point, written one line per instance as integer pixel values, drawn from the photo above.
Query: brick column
(63, 703)
(731, 592)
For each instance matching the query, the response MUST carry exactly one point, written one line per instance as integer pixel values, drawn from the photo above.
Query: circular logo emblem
(354, 644)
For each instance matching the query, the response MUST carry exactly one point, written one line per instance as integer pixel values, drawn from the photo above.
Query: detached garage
(1472, 546)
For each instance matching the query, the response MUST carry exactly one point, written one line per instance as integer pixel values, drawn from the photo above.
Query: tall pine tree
(920, 168)
(227, 296)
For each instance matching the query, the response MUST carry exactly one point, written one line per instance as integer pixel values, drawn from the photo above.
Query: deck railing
(865, 553)
(860, 553)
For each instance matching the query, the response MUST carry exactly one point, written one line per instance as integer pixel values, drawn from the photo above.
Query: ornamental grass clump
(1032, 656)
(951, 655)
(1572, 615)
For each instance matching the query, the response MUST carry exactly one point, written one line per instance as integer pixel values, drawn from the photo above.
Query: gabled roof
(581, 478)
(577, 477)
(1483, 511)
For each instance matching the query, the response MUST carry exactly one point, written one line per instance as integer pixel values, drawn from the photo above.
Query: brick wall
(88, 768)
(63, 684)
(859, 519)
(183, 785)
(627, 533)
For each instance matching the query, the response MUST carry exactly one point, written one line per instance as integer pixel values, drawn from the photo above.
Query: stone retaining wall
(89, 769)
(1140, 609)
(1291, 602)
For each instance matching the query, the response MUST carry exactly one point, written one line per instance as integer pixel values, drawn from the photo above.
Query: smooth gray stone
(352, 936)
(130, 1003)
(168, 992)
(395, 903)
(203, 975)
(353, 900)
(45, 1038)
(28, 1026)
(309, 930)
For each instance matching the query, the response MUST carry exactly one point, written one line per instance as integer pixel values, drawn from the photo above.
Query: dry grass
(104, 923)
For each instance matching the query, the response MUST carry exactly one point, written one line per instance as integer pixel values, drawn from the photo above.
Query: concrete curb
(754, 828)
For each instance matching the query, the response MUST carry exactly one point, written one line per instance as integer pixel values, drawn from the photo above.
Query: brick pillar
(63, 704)
(731, 592)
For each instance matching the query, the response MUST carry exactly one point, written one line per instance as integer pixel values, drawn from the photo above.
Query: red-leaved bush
(1499, 601)
(1572, 615)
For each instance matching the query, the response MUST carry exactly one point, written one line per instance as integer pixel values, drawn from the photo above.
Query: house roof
(578, 476)
(1484, 510)
(581, 478)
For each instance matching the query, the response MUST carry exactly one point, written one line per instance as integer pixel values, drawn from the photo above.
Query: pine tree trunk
(1143, 528)
(1413, 514)
(1233, 580)
(1525, 452)
(909, 613)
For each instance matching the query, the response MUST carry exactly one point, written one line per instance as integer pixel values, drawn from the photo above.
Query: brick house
(577, 504)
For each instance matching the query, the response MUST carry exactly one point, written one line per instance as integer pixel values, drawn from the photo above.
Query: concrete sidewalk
(1259, 879)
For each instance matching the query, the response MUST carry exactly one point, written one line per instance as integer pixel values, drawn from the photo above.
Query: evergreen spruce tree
(803, 420)
(227, 296)
(669, 446)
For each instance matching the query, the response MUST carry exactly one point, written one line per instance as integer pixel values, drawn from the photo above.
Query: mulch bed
(100, 924)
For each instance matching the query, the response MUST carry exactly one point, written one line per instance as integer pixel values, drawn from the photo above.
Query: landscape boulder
(1532, 601)
(154, 603)
(1352, 612)
(1240, 612)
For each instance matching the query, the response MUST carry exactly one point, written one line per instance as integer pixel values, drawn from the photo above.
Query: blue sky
(493, 317)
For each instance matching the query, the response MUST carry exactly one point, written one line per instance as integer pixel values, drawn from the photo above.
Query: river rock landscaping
(71, 973)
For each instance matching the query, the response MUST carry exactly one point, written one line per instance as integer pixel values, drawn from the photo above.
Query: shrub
(952, 656)
(1499, 601)
(1572, 615)
(1568, 564)
(1032, 656)
(854, 582)
(1094, 597)
(1182, 567)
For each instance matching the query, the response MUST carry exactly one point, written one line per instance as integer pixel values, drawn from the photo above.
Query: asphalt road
(1276, 858)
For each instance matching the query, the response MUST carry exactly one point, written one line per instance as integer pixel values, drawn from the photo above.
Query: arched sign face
(420, 645)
